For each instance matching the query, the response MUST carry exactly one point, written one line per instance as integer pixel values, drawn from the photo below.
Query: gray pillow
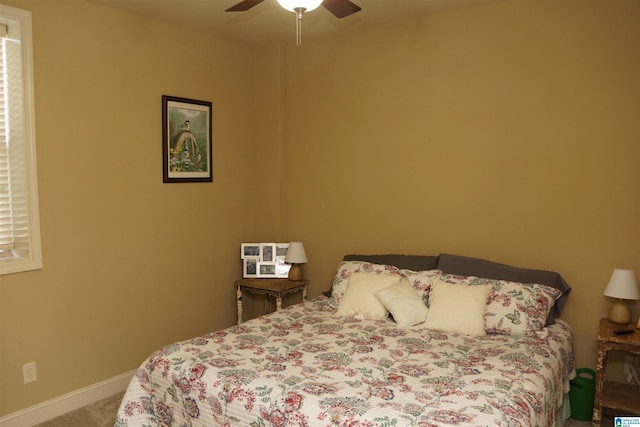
(467, 266)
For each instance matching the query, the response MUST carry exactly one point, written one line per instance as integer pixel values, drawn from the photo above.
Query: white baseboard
(68, 402)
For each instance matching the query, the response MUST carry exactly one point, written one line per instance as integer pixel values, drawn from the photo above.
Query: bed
(447, 349)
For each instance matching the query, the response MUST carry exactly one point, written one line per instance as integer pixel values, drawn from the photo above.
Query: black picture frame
(187, 148)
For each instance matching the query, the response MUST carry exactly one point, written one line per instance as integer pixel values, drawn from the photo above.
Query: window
(19, 222)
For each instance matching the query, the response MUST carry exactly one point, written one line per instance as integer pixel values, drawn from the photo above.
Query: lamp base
(295, 272)
(619, 313)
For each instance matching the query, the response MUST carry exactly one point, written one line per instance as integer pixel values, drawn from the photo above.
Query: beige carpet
(98, 414)
(103, 414)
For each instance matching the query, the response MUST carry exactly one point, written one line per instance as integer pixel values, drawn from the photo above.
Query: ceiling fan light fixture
(306, 5)
(299, 7)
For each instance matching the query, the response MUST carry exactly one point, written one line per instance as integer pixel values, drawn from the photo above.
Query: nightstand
(271, 287)
(612, 395)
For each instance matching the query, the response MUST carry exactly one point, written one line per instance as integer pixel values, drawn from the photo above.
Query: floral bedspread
(303, 367)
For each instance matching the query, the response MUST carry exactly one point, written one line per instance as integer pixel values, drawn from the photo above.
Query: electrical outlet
(29, 372)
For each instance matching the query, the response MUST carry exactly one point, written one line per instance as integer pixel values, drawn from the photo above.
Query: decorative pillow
(404, 303)
(519, 308)
(467, 266)
(457, 308)
(513, 308)
(421, 281)
(406, 262)
(359, 297)
(403, 262)
(347, 268)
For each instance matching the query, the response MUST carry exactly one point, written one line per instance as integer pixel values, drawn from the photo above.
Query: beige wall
(130, 263)
(507, 131)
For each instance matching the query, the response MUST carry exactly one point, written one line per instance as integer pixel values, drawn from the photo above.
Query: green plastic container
(583, 387)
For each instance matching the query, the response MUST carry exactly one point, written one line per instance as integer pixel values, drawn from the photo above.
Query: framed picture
(250, 267)
(249, 250)
(186, 140)
(268, 252)
(266, 269)
(264, 260)
(281, 250)
(282, 268)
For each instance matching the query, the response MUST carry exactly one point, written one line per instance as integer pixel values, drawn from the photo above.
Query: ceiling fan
(340, 8)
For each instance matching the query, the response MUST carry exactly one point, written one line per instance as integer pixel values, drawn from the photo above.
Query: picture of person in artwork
(267, 254)
(252, 267)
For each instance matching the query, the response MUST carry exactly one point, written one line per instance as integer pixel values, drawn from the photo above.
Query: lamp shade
(307, 5)
(622, 285)
(295, 253)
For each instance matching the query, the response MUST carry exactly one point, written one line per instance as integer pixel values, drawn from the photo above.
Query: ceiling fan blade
(244, 5)
(341, 8)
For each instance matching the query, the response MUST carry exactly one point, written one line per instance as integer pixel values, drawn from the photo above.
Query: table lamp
(622, 286)
(295, 256)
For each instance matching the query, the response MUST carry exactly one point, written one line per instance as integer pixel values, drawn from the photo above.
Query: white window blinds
(6, 214)
(19, 226)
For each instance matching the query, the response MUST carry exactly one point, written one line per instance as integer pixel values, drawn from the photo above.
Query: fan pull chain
(299, 11)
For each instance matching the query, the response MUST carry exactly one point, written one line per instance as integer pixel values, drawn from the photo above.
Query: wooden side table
(612, 395)
(273, 287)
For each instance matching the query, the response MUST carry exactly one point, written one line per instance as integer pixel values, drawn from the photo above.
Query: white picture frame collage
(264, 260)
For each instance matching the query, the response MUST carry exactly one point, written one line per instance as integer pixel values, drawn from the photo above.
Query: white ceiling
(268, 22)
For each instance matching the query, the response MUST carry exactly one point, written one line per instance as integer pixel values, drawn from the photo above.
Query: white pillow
(404, 304)
(457, 308)
(347, 268)
(359, 297)
(513, 308)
